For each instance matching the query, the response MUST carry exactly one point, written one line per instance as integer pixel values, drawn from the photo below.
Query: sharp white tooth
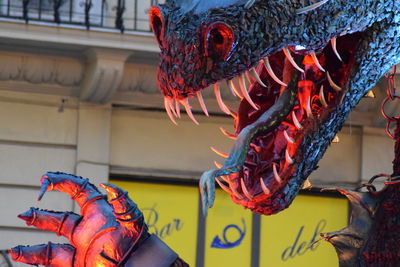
(289, 159)
(244, 189)
(336, 139)
(250, 79)
(172, 106)
(221, 104)
(288, 138)
(225, 188)
(322, 97)
(342, 98)
(370, 94)
(271, 72)
(245, 93)
(234, 191)
(276, 175)
(225, 178)
(308, 107)
(228, 134)
(235, 89)
(230, 88)
(257, 77)
(332, 83)
(333, 44)
(316, 61)
(168, 110)
(177, 109)
(310, 7)
(202, 104)
(219, 153)
(296, 121)
(307, 184)
(185, 103)
(232, 113)
(291, 60)
(217, 164)
(264, 187)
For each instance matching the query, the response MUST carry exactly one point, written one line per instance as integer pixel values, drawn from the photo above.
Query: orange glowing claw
(107, 233)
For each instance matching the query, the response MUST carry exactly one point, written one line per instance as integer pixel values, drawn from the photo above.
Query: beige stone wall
(34, 138)
(148, 141)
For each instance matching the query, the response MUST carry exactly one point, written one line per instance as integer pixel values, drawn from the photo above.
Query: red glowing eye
(219, 41)
(157, 23)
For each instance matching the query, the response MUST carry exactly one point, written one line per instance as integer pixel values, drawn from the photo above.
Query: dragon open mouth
(266, 171)
(283, 99)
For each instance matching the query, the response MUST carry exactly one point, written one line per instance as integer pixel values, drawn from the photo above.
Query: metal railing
(123, 15)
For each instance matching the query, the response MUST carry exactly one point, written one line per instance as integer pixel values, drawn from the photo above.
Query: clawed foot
(105, 234)
(207, 190)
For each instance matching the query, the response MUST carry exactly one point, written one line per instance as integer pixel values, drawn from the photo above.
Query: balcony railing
(123, 15)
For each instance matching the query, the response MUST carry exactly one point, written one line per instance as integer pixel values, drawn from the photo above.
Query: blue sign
(224, 242)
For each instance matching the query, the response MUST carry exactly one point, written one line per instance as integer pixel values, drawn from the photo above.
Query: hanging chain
(388, 179)
(391, 96)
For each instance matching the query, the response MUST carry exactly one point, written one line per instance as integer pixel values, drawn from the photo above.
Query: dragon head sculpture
(299, 68)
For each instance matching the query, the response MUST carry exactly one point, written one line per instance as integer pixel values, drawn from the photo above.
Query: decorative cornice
(103, 74)
(139, 78)
(40, 69)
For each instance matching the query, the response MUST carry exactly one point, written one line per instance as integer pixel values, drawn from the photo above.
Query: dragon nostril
(157, 25)
(217, 37)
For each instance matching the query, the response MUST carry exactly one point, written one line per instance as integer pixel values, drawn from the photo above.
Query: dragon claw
(108, 233)
(27, 216)
(45, 185)
(80, 189)
(113, 191)
(50, 254)
(125, 209)
(61, 223)
(207, 190)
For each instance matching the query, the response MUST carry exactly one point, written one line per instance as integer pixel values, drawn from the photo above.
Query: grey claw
(43, 188)
(207, 190)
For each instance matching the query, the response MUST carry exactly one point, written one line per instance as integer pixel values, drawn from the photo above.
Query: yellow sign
(171, 212)
(287, 239)
(228, 234)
